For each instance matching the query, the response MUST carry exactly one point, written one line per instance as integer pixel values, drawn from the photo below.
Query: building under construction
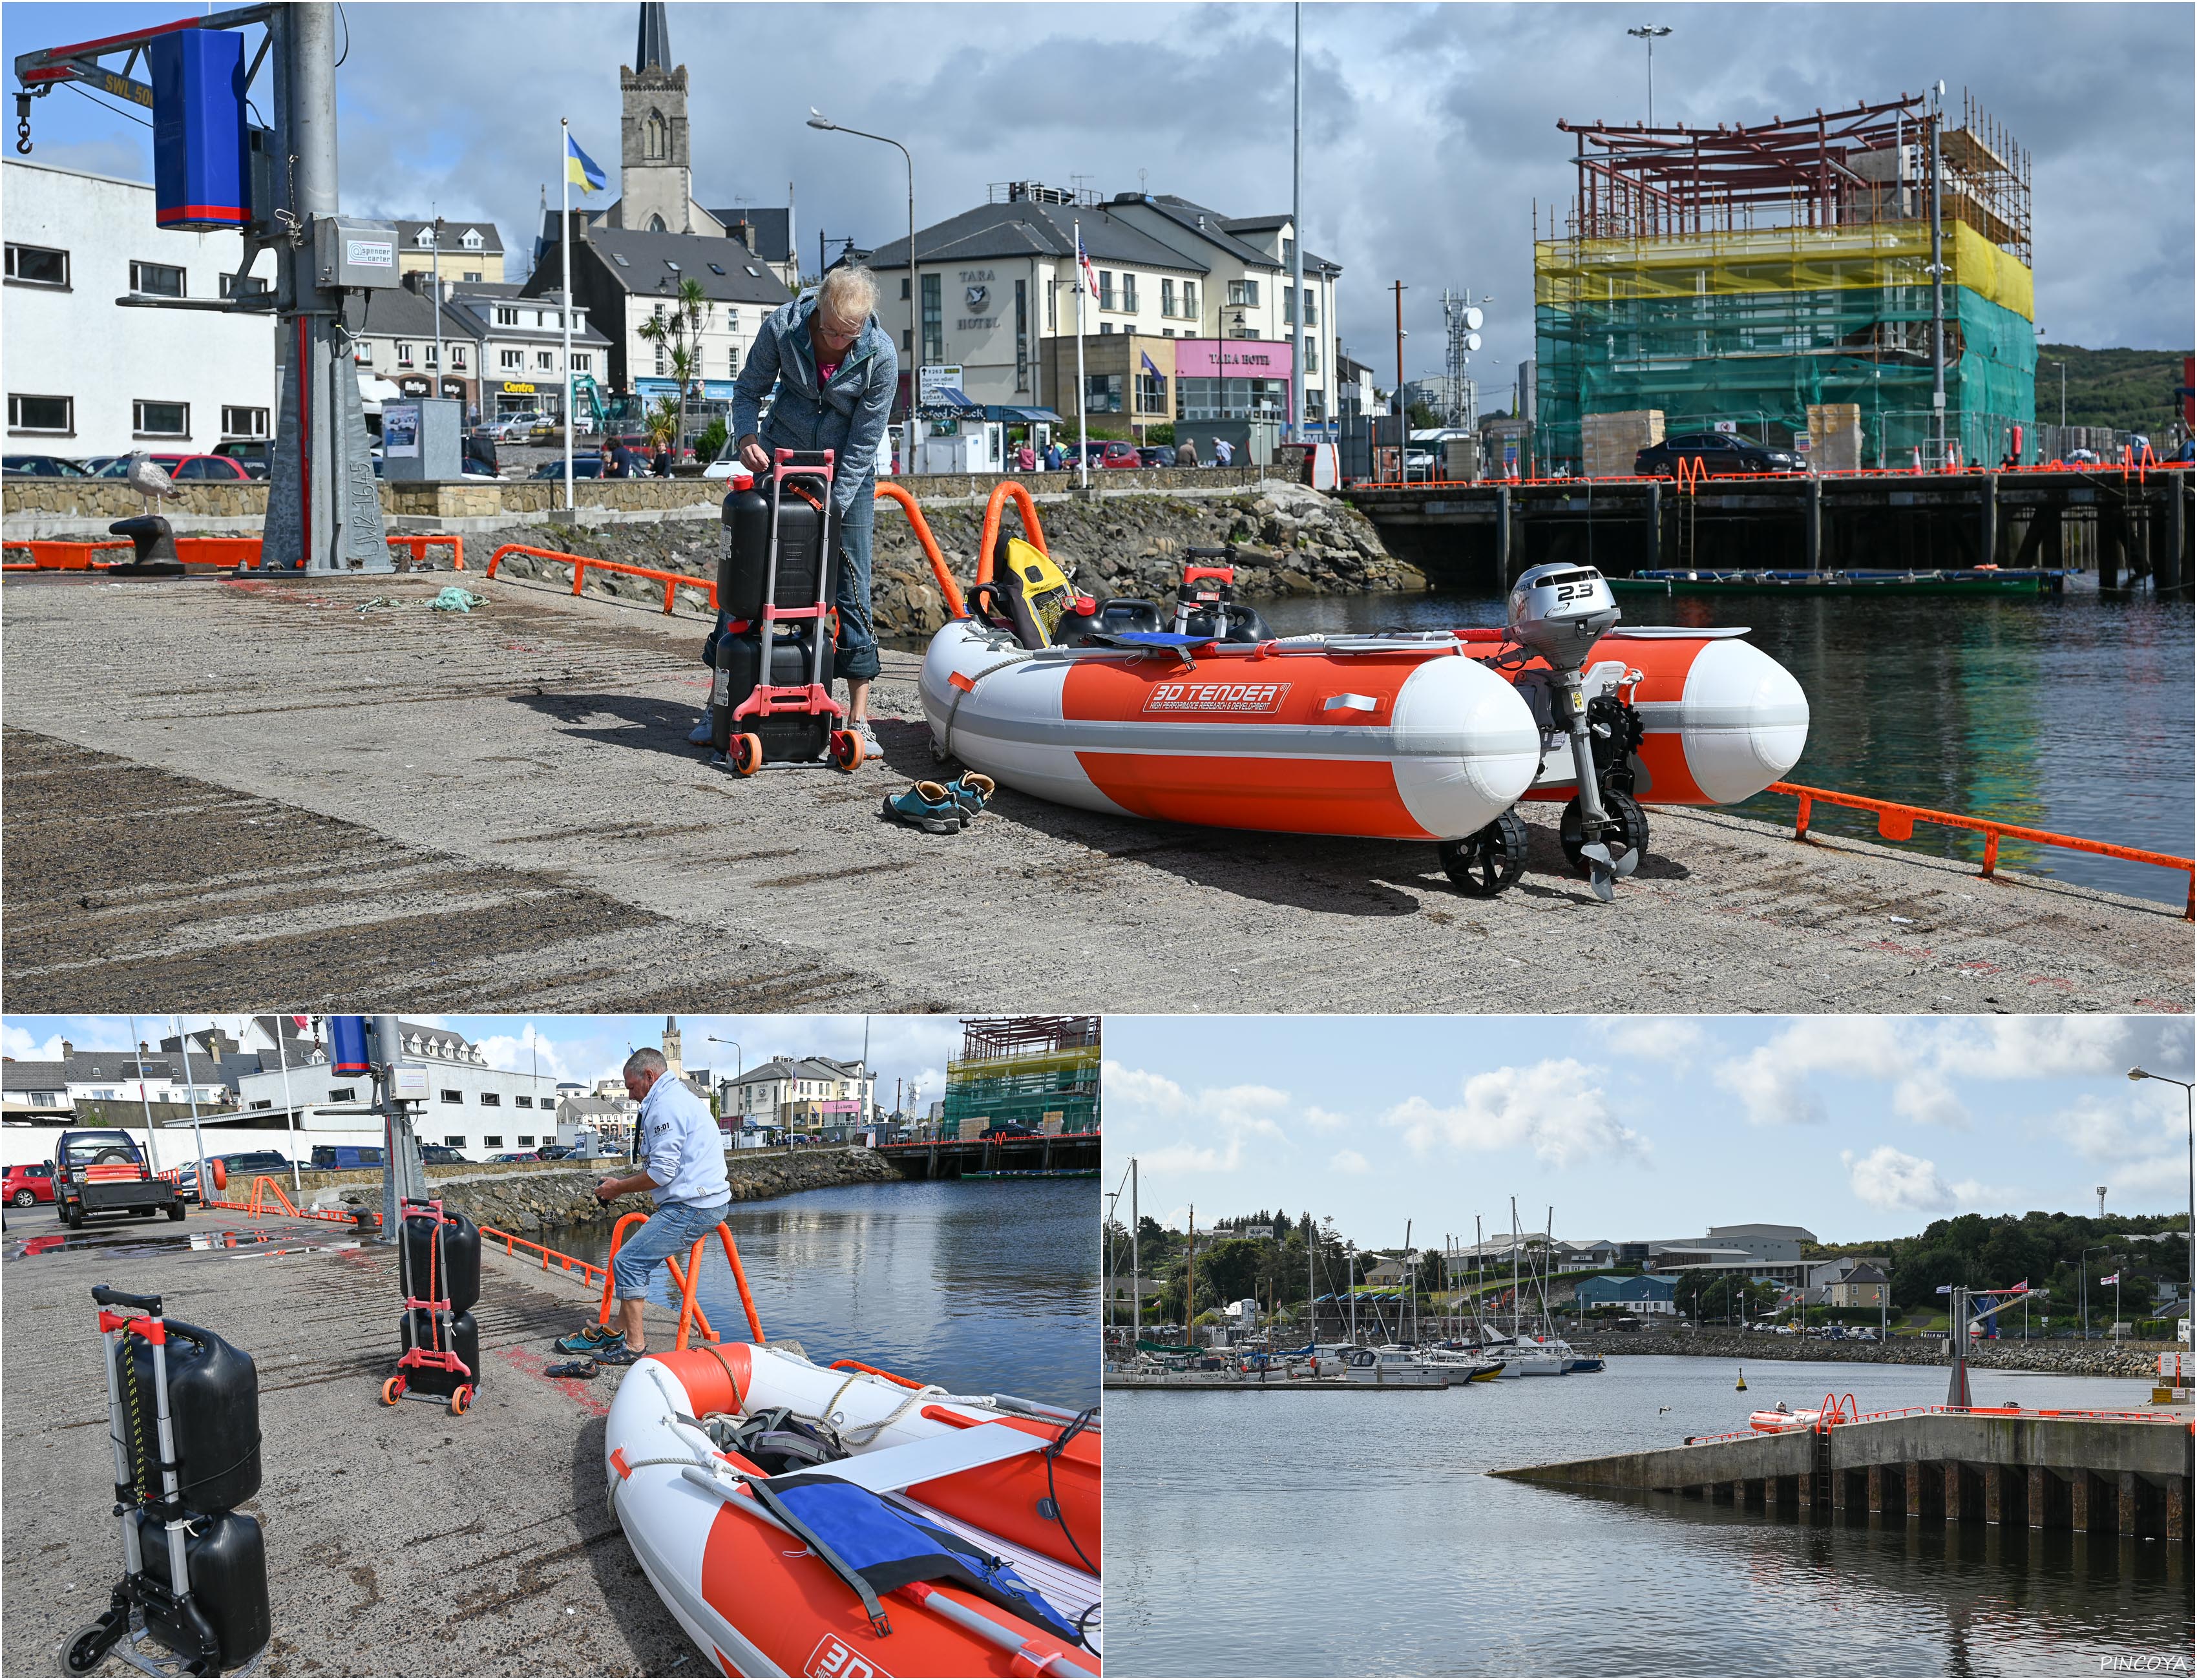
(1039, 1071)
(1739, 278)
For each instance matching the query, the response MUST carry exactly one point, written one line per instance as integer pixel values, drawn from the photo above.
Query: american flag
(1083, 260)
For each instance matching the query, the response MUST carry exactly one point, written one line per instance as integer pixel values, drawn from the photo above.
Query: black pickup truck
(104, 1171)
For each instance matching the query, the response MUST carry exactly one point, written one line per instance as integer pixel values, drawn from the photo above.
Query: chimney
(67, 1050)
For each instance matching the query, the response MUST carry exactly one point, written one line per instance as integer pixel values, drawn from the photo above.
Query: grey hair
(851, 294)
(646, 1061)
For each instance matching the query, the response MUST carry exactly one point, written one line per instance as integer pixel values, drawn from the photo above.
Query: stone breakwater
(524, 1200)
(1288, 542)
(2070, 1358)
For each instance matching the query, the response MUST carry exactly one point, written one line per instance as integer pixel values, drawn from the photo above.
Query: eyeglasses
(837, 332)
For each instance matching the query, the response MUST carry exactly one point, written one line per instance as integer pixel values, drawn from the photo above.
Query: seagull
(1659, 1410)
(149, 479)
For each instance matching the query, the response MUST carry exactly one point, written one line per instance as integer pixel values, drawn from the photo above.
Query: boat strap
(964, 686)
(880, 1623)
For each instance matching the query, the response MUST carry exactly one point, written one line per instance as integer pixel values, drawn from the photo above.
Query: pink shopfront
(1231, 378)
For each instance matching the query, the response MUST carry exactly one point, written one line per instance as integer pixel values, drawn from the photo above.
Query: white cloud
(18, 1045)
(1349, 1160)
(1219, 1122)
(527, 1052)
(1556, 1107)
(2054, 1045)
(1675, 1038)
(1321, 1120)
(1778, 1083)
(2136, 1139)
(1885, 1177)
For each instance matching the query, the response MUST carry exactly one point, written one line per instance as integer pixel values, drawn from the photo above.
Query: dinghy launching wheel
(1490, 861)
(846, 750)
(391, 1390)
(1623, 835)
(462, 1398)
(746, 754)
(88, 1646)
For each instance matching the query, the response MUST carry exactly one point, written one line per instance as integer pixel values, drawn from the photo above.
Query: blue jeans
(672, 1229)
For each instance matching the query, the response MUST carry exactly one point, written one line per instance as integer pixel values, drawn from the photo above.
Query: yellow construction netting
(1571, 273)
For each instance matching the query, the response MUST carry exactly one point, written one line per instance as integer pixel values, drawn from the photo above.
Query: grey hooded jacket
(848, 416)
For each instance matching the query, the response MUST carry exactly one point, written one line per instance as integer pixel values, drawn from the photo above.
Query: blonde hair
(851, 294)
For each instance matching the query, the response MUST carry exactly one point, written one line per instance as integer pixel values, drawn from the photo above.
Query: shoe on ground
(578, 1368)
(593, 1339)
(621, 1355)
(970, 790)
(927, 806)
(702, 733)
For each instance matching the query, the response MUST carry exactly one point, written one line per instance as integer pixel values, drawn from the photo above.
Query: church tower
(671, 1040)
(656, 182)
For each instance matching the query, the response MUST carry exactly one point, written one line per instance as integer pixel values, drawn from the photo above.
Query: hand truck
(441, 1357)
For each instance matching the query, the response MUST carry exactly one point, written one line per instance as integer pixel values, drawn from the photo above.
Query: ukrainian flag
(581, 170)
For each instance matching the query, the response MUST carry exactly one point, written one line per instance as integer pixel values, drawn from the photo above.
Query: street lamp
(817, 119)
(2083, 1269)
(2189, 1103)
(1649, 33)
(739, 1055)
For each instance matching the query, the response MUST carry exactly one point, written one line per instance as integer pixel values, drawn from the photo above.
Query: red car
(25, 1185)
(187, 469)
(1121, 454)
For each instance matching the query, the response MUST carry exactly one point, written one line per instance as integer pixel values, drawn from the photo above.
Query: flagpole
(564, 244)
(1082, 427)
(282, 1062)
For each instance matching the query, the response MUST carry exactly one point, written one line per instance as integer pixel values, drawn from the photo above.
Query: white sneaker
(871, 752)
(702, 733)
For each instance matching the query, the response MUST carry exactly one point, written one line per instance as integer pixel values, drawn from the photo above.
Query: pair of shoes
(582, 1368)
(622, 1355)
(703, 732)
(590, 1338)
(927, 806)
(969, 792)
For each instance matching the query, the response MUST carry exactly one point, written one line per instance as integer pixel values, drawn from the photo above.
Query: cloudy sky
(1856, 1128)
(910, 1048)
(1430, 129)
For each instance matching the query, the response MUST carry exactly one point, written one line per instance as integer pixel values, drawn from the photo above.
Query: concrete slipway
(400, 1540)
(228, 789)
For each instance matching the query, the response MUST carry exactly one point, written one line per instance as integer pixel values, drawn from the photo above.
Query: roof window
(671, 265)
(619, 257)
(717, 269)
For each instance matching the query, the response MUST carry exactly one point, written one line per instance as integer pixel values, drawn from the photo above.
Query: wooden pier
(2107, 1473)
(1064, 1153)
(2125, 526)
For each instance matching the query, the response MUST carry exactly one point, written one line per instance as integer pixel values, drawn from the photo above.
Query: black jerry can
(739, 673)
(227, 1558)
(457, 1278)
(419, 1328)
(808, 550)
(214, 1406)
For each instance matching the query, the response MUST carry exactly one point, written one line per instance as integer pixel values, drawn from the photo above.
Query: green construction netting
(1730, 336)
(1025, 1089)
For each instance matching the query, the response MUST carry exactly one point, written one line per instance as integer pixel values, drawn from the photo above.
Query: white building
(777, 1091)
(473, 1107)
(87, 376)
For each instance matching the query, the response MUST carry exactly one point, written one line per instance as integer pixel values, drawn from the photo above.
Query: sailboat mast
(1136, 1290)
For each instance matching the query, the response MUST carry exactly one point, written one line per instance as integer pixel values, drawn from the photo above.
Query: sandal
(590, 1338)
(927, 806)
(970, 790)
(581, 1368)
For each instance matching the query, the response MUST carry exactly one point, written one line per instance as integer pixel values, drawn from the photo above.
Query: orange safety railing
(671, 581)
(419, 546)
(1006, 489)
(58, 556)
(256, 1207)
(512, 1243)
(691, 1314)
(889, 491)
(1896, 821)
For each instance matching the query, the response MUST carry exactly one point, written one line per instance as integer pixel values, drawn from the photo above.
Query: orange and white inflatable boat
(801, 1519)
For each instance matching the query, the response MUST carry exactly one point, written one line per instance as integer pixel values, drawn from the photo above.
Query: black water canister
(457, 1279)
(418, 1328)
(1244, 623)
(739, 669)
(227, 1558)
(214, 1403)
(807, 548)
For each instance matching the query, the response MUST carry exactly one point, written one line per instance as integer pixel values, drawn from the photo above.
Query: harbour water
(2071, 714)
(982, 1286)
(1321, 1534)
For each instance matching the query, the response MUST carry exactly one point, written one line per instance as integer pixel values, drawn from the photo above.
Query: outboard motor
(1559, 612)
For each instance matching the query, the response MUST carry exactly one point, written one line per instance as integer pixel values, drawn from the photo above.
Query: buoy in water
(1742, 1379)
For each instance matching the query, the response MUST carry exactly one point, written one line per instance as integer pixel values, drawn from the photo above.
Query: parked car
(1120, 455)
(1720, 455)
(31, 1182)
(1151, 455)
(514, 1155)
(184, 468)
(441, 1154)
(104, 1171)
(552, 1152)
(96, 467)
(584, 466)
(256, 456)
(247, 1164)
(40, 466)
(1007, 1128)
(514, 428)
(344, 1156)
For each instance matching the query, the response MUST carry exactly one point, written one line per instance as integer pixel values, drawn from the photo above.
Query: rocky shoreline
(523, 1202)
(2076, 1358)
(1290, 541)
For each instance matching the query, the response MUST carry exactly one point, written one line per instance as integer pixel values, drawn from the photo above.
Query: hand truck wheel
(461, 1399)
(747, 754)
(847, 749)
(391, 1390)
(87, 1647)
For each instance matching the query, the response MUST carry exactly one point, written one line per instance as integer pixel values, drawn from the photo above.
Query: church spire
(654, 48)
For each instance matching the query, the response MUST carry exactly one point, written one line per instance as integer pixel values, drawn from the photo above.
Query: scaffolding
(1040, 1071)
(1741, 277)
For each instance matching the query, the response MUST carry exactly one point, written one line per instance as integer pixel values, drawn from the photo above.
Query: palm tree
(678, 330)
